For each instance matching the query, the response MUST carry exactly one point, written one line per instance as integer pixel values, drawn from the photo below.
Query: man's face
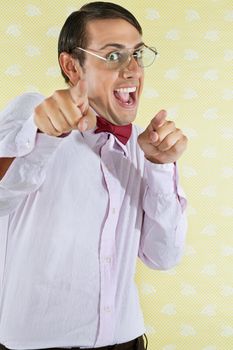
(105, 85)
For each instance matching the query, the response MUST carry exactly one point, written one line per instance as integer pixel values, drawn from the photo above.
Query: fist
(162, 142)
(65, 110)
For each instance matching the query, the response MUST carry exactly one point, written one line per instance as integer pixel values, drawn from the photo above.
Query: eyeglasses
(144, 56)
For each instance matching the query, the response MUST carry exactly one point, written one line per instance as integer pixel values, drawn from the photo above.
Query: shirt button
(28, 143)
(114, 210)
(107, 309)
(108, 259)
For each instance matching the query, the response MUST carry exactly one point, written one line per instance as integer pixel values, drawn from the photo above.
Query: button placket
(107, 280)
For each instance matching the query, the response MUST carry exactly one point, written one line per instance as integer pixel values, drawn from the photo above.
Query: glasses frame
(92, 52)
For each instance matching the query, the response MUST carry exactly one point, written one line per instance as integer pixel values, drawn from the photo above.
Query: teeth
(126, 90)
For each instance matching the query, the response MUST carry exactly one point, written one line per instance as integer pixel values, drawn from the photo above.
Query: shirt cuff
(160, 177)
(29, 135)
(26, 137)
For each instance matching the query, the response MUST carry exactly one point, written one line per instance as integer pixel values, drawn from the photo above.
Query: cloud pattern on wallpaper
(189, 307)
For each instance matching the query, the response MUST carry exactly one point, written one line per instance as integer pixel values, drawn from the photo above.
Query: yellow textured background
(191, 306)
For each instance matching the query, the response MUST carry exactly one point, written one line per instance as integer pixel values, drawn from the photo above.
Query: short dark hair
(73, 33)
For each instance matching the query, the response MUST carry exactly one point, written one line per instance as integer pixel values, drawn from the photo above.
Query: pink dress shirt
(76, 212)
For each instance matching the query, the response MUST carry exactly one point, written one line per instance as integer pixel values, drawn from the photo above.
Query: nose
(132, 69)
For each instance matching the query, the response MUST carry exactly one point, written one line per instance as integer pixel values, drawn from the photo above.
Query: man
(80, 201)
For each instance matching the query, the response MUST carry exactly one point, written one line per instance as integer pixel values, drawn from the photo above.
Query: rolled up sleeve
(165, 223)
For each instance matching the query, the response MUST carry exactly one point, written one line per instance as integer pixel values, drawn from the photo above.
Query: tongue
(123, 97)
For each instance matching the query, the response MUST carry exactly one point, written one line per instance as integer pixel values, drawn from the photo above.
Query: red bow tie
(122, 132)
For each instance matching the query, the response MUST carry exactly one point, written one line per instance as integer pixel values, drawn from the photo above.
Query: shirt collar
(98, 140)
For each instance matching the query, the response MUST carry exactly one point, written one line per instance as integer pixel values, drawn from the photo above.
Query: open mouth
(126, 97)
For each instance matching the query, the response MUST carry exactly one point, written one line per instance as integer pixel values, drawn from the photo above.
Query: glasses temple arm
(92, 53)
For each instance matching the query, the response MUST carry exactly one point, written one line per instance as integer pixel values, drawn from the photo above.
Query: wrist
(153, 160)
(62, 135)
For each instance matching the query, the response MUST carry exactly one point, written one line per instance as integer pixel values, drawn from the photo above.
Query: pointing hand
(162, 142)
(65, 110)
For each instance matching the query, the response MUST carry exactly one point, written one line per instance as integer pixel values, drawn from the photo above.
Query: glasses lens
(146, 56)
(118, 59)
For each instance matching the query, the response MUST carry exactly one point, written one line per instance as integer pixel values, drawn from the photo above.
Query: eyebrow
(120, 46)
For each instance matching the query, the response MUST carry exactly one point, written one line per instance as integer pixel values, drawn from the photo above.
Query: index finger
(79, 95)
(158, 120)
(79, 92)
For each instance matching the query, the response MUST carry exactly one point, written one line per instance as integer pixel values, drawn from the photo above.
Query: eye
(114, 56)
(138, 54)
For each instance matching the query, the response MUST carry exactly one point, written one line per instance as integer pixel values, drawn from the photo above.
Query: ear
(70, 67)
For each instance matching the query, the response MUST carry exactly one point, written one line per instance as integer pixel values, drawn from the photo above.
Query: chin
(123, 116)
(124, 119)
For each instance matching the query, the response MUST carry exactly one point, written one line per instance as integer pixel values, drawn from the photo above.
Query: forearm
(163, 238)
(164, 225)
(23, 153)
(26, 173)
